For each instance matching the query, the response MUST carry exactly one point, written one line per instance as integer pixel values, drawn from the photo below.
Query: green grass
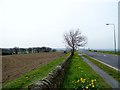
(114, 73)
(109, 52)
(106, 52)
(33, 76)
(80, 74)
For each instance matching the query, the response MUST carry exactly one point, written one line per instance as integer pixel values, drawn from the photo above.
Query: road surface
(106, 58)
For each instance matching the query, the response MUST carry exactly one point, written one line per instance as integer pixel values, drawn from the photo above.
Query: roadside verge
(110, 80)
(107, 68)
(80, 76)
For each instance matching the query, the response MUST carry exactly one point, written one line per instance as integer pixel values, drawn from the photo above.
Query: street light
(114, 37)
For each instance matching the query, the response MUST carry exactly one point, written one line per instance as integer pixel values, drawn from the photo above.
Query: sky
(37, 23)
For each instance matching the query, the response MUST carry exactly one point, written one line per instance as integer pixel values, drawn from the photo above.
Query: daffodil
(86, 87)
(92, 81)
(81, 79)
(92, 86)
(89, 84)
(95, 80)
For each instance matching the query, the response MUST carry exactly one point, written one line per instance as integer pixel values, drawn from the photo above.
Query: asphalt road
(106, 58)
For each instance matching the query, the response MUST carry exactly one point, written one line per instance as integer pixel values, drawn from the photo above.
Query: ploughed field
(14, 66)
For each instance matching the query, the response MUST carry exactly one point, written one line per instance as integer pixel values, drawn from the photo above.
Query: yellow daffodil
(92, 86)
(86, 87)
(81, 79)
(92, 81)
(95, 80)
(89, 84)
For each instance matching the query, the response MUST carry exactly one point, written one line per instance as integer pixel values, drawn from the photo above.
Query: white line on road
(104, 55)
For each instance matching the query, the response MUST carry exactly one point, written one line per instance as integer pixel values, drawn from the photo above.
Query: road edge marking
(104, 63)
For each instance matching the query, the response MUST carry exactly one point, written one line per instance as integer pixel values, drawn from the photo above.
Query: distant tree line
(17, 50)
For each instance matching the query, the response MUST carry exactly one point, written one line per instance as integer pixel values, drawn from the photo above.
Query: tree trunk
(73, 51)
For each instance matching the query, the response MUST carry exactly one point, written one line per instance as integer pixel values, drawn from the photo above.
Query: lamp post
(114, 37)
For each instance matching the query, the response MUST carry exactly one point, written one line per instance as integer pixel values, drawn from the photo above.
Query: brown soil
(15, 65)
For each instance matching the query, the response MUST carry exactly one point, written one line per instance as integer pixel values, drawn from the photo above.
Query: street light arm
(114, 36)
(110, 24)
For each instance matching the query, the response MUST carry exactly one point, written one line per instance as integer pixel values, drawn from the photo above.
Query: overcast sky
(29, 23)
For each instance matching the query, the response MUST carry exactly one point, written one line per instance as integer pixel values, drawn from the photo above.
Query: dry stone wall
(54, 79)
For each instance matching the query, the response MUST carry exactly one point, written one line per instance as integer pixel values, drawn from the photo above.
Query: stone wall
(54, 79)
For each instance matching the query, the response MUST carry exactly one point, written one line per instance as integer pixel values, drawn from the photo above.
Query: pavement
(109, 59)
(110, 80)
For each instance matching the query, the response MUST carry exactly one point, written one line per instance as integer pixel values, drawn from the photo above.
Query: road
(106, 58)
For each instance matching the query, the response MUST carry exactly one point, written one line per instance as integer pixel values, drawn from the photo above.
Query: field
(14, 66)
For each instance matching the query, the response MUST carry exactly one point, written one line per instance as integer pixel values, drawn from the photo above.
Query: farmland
(22, 70)
(14, 66)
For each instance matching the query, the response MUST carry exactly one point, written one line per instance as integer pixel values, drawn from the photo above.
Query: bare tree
(74, 39)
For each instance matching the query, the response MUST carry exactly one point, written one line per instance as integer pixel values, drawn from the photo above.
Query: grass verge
(81, 76)
(106, 52)
(114, 73)
(32, 76)
(109, 52)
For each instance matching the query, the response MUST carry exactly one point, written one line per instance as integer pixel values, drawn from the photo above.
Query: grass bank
(106, 52)
(114, 73)
(109, 52)
(81, 76)
(33, 76)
